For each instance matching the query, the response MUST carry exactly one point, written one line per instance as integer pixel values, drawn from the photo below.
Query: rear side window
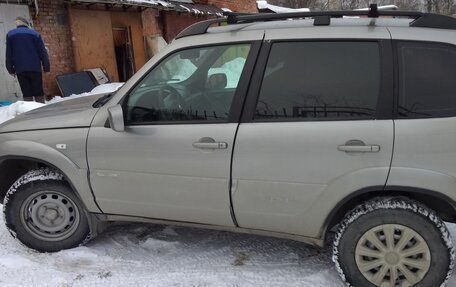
(427, 80)
(320, 81)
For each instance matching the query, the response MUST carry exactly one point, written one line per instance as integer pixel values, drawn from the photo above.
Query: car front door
(319, 130)
(173, 159)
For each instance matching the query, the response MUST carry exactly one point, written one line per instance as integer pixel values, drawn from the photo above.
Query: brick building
(116, 35)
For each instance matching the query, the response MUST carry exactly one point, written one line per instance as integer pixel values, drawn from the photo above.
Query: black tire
(42, 211)
(420, 228)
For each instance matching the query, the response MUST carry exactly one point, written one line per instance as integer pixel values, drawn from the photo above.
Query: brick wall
(175, 22)
(52, 24)
(233, 5)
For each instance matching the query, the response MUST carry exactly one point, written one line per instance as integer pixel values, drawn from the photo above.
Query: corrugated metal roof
(183, 6)
(199, 9)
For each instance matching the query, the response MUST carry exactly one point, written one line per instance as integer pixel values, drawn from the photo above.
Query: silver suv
(299, 126)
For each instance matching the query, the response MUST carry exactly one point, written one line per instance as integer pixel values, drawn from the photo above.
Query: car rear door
(317, 127)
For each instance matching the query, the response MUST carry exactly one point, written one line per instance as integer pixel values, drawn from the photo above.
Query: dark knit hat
(23, 21)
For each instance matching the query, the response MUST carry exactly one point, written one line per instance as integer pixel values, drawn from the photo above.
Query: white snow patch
(17, 108)
(262, 4)
(33, 175)
(100, 89)
(232, 70)
(152, 2)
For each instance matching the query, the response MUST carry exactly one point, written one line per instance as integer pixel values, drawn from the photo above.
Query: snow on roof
(385, 7)
(152, 2)
(185, 6)
(264, 5)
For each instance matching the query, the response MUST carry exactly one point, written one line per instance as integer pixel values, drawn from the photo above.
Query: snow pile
(153, 2)
(17, 108)
(20, 107)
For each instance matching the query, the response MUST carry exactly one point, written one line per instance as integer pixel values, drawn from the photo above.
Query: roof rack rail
(424, 20)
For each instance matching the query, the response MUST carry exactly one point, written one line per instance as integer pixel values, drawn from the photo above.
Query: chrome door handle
(209, 143)
(357, 146)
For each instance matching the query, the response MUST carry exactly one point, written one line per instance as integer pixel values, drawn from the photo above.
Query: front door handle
(209, 143)
(357, 146)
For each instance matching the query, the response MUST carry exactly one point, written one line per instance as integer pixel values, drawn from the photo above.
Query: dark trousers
(31, 86)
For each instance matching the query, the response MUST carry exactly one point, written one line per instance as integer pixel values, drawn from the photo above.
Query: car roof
(302, 23)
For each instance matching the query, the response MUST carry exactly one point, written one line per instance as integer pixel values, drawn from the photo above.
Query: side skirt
(307, 240)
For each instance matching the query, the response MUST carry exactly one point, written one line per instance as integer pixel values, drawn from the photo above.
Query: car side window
(195, 84)
(320, 81)
(427, 80)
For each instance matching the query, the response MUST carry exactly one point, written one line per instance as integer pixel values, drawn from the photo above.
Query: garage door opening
(124, 52)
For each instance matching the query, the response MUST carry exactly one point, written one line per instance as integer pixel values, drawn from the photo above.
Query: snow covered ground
(131, 254)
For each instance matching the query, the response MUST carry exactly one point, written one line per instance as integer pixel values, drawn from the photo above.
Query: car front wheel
(393, 242)
(43, 212)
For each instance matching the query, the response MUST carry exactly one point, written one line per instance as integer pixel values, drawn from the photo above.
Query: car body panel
(287, 173)
(63, 149)
(423, 34)
(424, 155)
(154, 171)
(65, 114)
(328, 32)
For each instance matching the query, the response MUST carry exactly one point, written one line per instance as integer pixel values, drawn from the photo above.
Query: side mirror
(116, 120)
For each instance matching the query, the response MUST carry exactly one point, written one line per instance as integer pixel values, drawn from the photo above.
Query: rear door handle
(357, 146)
(209, 143)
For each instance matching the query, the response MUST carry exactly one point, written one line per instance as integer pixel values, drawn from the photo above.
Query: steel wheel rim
(392, 255)
(50, 216)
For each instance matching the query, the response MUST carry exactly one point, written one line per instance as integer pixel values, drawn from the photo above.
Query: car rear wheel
(393, 242)
(43, 212)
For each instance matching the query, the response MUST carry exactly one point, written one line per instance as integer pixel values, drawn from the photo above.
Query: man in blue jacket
(25, 55)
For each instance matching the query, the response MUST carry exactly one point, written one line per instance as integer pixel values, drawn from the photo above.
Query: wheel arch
(13, 167)
(439, 202)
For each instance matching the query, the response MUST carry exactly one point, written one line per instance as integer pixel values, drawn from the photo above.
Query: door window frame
(385, 100)
(239, 95)
(395, 45)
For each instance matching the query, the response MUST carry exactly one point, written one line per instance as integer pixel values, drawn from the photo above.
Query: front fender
(43, 152)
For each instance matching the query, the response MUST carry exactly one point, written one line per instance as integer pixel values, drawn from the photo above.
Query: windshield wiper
(102, 101)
